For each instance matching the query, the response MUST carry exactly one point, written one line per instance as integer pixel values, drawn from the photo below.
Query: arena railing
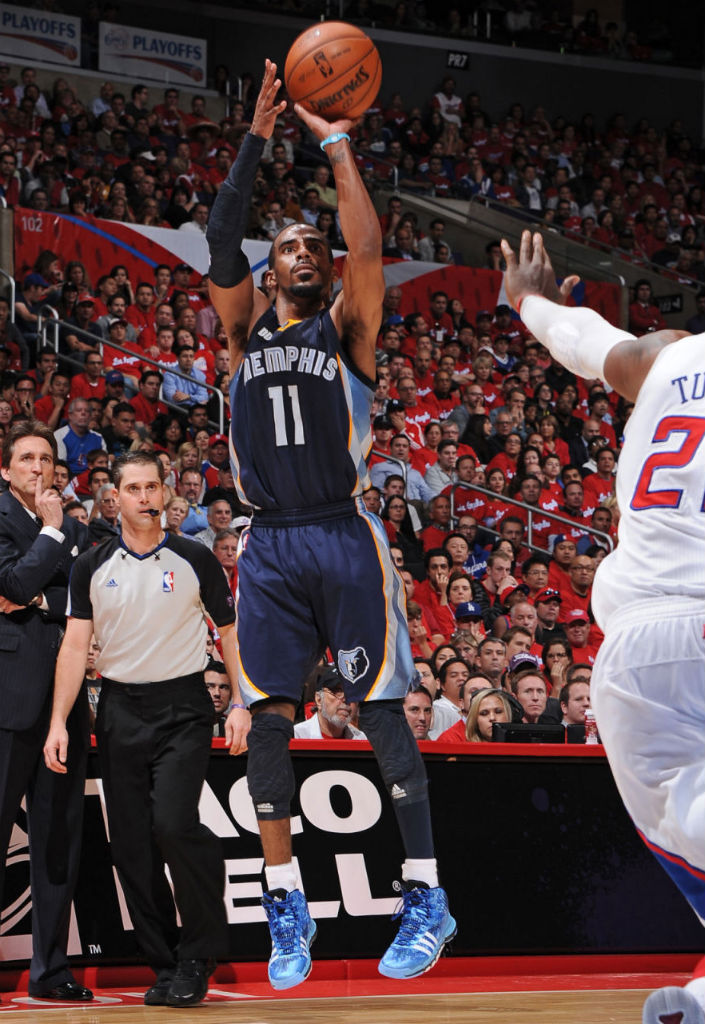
(49, 318)
(531, 513)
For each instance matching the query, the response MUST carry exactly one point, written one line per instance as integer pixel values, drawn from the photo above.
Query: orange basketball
(333, 69)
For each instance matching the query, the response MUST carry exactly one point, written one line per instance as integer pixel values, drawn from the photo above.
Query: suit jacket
(31, 562)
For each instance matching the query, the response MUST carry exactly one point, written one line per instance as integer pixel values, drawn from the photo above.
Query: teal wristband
(335, 137)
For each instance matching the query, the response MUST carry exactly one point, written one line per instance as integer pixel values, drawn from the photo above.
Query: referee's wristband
(234, 705)
(335, 137)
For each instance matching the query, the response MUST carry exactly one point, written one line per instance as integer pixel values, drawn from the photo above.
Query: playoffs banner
(174, 60)
(536, 852)
(30, 34)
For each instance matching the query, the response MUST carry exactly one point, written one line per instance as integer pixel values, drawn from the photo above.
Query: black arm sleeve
(230, 214)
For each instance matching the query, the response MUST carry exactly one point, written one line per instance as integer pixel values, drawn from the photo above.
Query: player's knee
(384, 723)
(270, 775)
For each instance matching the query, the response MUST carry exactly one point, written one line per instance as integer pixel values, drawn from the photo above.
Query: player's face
(419, 712)
(302, 265)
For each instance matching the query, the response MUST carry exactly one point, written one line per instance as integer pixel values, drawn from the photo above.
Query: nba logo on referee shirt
(168, 582)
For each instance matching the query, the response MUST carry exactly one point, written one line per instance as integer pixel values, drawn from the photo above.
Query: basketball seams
(330, 83)
(357, 61)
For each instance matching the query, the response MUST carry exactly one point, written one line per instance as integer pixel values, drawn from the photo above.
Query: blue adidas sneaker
(292, 932)
(426, 926)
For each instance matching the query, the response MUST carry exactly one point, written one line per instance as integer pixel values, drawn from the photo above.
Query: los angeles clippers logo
(323, 64)
(168, 582)
(353, 665)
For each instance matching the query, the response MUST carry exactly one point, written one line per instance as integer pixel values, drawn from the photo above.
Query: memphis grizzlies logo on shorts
(353, 665)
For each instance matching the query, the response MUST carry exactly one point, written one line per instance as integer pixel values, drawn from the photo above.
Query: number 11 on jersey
(280, 433)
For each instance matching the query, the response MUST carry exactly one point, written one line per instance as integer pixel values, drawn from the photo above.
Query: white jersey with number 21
(660, 488)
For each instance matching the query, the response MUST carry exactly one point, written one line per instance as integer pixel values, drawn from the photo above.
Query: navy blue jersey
(300, 427)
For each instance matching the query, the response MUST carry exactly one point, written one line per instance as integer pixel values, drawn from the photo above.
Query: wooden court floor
(593, 1007)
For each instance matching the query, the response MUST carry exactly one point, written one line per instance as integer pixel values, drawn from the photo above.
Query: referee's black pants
(154, 742)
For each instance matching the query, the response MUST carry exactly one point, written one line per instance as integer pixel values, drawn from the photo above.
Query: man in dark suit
(579, 447)
(38, 545)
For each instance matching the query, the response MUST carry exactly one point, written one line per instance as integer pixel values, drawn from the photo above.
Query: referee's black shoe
(158, 993)
(190, 982)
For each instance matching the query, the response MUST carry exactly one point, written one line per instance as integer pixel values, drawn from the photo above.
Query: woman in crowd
(556, 655)
(400, 530)
(486, 707)
(175, 513)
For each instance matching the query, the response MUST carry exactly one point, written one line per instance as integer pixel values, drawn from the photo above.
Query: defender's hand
(532, 273)
(267, 110)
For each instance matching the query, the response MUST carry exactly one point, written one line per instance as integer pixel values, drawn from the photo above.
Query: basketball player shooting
(314, 560)
(648, 685)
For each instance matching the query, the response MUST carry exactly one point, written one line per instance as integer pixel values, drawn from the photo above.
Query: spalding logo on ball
(333, 69)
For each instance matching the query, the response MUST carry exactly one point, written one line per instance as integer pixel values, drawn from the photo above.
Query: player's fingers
(508, 253)
(539, 254)
(568, 284)
(525, 247)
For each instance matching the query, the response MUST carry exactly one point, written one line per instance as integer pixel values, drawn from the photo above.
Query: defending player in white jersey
(648, 686)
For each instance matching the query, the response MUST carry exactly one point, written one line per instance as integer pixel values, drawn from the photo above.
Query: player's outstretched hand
(532, 273)
(319, 126)
(267, 109)
(56, 749)
(237, 726)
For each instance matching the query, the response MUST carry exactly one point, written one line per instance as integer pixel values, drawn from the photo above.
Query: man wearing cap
(382, 431)
(28, 302)
(75, 440)
(468, 619)
(83, 317)
(218, 459)
(548, 606)
(504, 323)
(333, 712)
(128, 363)
(577, 630)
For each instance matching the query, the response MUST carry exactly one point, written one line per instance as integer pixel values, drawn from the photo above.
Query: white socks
(420, 871)
(282, 876)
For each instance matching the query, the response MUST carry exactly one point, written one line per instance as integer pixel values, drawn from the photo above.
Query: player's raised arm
(578, 337)
(231, 287)
(356, 313)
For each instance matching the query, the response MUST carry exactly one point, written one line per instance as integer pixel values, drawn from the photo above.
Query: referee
(145, 594)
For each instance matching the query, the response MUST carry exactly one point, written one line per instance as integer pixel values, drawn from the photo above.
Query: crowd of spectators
(470, 412)
(139, 158)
